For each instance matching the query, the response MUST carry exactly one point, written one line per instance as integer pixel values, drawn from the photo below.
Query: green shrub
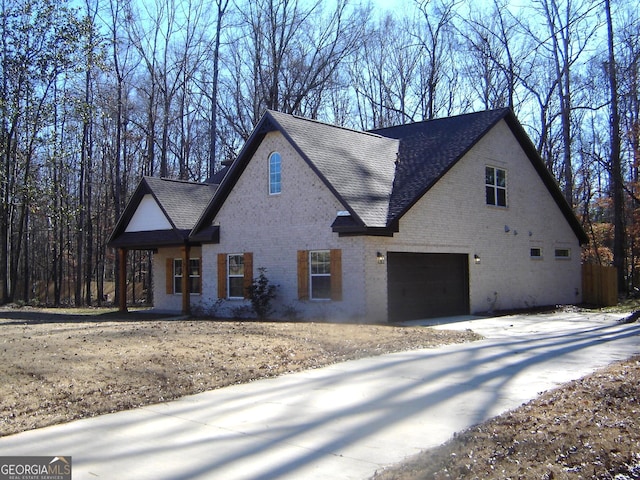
(261, 292)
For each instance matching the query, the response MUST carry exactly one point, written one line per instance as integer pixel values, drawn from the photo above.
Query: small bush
(261, 292)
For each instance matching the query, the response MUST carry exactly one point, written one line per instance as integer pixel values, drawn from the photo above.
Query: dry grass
(60, 365)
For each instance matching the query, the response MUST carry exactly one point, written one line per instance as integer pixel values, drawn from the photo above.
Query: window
(563, 253)
(320, 271)
(275, 165)
(536, 253)
(320, 274)
(194, 275)
(235, 276)
(496, 186)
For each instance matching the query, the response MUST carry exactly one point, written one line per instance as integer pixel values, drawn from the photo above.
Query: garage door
(427, 285)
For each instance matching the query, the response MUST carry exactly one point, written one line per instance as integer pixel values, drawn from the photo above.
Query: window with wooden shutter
(303, 274)
(222, 275)
(169, 276)
(320, 274)
(248, 272)
(235, 274)
(336, 274)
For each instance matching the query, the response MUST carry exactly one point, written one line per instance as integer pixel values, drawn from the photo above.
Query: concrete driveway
(344, 421)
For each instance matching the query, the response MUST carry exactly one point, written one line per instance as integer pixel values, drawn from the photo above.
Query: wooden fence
(599, 285)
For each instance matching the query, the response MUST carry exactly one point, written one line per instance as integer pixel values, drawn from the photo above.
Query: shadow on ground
(28, 316)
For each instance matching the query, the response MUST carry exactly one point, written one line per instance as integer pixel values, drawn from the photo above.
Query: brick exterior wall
(275, 227)
(451, 218)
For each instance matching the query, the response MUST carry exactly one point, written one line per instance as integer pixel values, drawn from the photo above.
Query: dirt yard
(61, 365)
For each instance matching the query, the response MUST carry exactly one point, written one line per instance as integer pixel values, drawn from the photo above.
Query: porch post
(122, 280)
(186, 293)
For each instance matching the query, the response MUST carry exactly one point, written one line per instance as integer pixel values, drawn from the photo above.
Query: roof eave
(150, 240)
(141, 190)
(348, 226)
(132, 205)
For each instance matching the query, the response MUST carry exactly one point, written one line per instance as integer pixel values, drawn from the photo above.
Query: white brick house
(444, 217)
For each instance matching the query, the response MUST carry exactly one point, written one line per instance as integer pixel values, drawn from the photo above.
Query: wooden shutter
(336, 274)
(169, 276)
(222, 275)
(303, 274)
(248, 272)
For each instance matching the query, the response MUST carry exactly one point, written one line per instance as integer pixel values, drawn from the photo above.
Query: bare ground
(61, 365)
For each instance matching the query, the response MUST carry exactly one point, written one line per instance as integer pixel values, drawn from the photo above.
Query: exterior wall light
(476, 259)
(380, 258)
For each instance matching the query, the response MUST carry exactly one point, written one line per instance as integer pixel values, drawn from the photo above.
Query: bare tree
(570, 29)
(38, 44)
(285, 58)
(497, 55)
(221, 9)
(617, 190)
(435, 35)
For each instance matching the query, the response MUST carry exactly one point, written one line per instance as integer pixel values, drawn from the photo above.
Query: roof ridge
(177, 180)
(327, 124)
(429, 120)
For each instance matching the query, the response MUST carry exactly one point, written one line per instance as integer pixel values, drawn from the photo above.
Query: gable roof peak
(275, 114)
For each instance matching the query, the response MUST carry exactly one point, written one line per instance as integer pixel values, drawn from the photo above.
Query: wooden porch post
(186, 293)
(122, 280)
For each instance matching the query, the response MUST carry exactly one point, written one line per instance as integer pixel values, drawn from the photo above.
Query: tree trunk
(617, 186)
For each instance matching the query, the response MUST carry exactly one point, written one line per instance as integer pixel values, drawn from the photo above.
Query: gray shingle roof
(429, 149)
(183, 202)
(358, 166)
(377, 175)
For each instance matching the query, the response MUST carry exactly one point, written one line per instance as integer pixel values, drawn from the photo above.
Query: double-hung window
(235, 276)
(193, 272)
(496, 186)
(275, 173)
(320, 274)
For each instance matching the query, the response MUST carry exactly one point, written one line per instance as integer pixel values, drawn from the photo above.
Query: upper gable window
(496, 186)
(275, 165)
